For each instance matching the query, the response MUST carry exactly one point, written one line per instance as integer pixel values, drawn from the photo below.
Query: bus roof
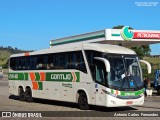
(123, 37)
(107, 48)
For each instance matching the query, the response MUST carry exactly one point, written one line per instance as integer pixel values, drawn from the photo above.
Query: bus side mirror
(148, 65)
(106, 62)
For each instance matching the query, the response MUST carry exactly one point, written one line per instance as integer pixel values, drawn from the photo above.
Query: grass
(152, 60)
(155, 64)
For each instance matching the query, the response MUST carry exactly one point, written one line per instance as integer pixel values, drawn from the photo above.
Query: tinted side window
(33, 62)
(13, 63)
(90, 54)
(65, 60)
(100, 73)
(78, 61)
(58, 60)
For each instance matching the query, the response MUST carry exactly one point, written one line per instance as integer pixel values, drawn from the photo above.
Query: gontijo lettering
(61, 76)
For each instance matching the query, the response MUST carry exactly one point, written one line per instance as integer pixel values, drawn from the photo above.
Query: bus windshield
(125, 73)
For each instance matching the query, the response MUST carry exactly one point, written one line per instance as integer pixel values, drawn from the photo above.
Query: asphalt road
(11, 103)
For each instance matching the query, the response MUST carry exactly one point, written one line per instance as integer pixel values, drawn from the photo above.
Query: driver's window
(100, 72)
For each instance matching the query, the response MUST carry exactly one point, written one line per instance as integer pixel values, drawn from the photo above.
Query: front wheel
(83, 102)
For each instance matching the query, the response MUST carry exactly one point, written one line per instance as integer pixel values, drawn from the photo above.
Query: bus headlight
(109, 93)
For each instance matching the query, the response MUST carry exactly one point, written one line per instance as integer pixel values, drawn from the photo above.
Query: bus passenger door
(100, 81)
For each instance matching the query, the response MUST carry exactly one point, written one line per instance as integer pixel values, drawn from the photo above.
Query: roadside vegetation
(5, 53)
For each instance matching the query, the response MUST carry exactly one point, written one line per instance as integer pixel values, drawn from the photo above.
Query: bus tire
(82, 101)
(28, 95)
(21, 94)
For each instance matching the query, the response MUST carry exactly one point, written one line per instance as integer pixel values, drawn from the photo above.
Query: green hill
(5, 53)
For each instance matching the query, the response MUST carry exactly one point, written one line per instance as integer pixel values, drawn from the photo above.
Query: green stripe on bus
(40, 84)
(112, 91)
(15, 76)
(37, 76)
(78, 76)
(50, 76)
(130, 93)
(26, 76)
(62, 76)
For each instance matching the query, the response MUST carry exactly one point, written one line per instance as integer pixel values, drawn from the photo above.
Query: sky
(31, 24)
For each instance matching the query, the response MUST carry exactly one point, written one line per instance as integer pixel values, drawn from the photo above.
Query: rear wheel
(82, 101)
(21, 94)
(28, 95)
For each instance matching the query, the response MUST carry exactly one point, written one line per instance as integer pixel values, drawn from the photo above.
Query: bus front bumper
(117, 102)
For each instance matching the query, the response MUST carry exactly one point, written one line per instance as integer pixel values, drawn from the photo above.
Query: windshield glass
(125, 72)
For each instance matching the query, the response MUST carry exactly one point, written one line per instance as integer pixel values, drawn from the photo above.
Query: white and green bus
(84, 73)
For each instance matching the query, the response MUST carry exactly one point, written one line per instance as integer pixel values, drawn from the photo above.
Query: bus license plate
(129, 102)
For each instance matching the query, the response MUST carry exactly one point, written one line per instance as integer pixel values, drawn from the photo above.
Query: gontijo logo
(126, 34)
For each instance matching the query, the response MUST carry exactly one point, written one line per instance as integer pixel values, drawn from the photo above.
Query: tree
(141, 51)
(2, 58)
(120, 27)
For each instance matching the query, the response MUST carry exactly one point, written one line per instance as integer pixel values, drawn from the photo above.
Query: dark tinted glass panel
(65, 60)
(90, 54)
